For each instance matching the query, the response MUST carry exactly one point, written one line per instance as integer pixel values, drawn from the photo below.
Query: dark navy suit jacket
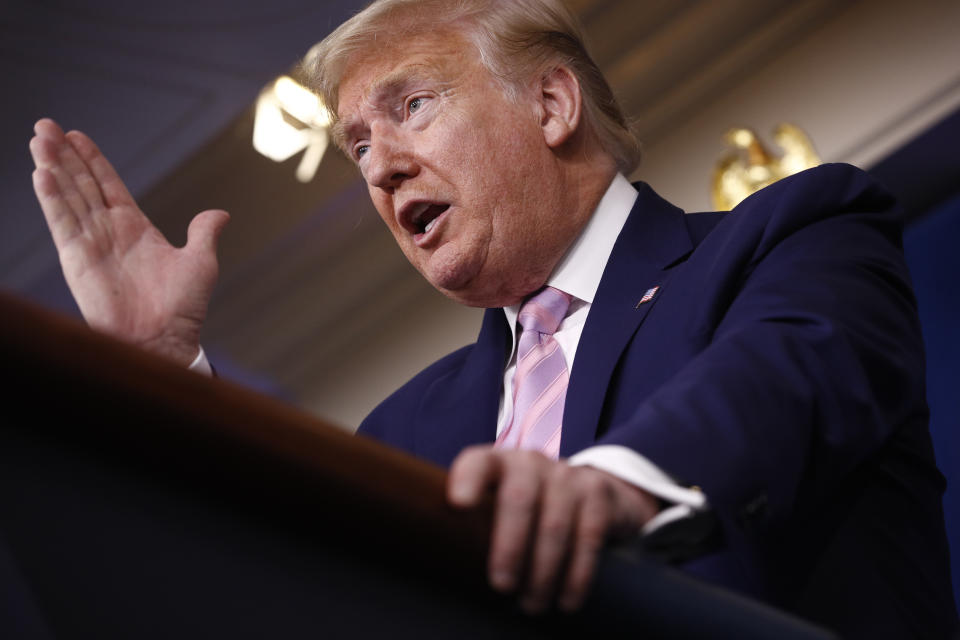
(779, 367)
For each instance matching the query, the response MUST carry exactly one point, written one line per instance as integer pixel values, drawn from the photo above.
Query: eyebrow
(379, 91)
(338, 131)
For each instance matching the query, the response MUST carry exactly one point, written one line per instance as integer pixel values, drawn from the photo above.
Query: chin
(459, 285)
(484, 292)
(474, 281)
(453, 274)
(472, 299)
(457, 290)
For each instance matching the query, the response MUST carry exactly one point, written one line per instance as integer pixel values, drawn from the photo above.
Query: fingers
(80, 174)
(65, 188)
(52, 150)
(517, 511)
(551, 521)
(47, 128)
(57, 212)
(478, 469)
(609, 509)
(75, 184)
(473, 471)
(78, 164)
(109, 184)
(59, 206)
(59, 195)
(559, 510)
(593, 530)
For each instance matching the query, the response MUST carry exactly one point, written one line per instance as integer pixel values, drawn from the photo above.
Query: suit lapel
(654, 238)
(460, 409)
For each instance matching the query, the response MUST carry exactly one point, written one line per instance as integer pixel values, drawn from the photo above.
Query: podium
(141, 500)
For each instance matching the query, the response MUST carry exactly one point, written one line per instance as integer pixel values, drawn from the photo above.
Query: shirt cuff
(630, 466)
(201, 365)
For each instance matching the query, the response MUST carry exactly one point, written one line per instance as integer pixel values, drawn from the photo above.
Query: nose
(389, 161)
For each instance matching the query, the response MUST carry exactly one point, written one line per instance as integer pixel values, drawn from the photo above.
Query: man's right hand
(126, 278)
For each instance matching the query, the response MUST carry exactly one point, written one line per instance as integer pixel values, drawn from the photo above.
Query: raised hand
(126, 278)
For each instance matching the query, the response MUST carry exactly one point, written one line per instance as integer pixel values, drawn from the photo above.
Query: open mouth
(425, 216)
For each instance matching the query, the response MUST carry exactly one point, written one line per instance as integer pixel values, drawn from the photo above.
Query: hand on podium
(126, 278)
(550, 522)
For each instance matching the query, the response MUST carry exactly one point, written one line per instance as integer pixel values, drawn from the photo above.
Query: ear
(561, 104)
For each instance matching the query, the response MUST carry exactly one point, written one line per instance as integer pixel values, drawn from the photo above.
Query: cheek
(474, 151)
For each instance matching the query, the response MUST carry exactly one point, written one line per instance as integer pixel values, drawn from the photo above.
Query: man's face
(459, 172)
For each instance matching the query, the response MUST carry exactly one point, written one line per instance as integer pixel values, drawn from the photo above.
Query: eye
(414, 105)
(361, 150)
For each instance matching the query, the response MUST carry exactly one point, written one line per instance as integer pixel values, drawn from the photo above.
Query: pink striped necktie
(540, 381)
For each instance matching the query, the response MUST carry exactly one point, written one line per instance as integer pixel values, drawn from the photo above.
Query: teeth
(429, 226)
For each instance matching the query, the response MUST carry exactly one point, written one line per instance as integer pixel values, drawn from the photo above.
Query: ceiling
(151, 82)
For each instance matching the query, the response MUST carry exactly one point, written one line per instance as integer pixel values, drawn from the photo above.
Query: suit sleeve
(813, 360)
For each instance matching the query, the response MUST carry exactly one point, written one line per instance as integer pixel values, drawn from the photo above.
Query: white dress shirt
(579, 273)
(200, 364)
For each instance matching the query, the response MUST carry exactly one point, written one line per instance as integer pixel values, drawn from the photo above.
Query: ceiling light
(290, 118)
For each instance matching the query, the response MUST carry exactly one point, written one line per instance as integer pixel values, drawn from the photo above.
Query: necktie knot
(544, 311)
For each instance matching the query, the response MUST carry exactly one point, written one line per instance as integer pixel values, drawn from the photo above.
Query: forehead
(388, 64)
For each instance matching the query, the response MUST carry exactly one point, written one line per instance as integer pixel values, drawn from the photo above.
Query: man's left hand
(550, 520)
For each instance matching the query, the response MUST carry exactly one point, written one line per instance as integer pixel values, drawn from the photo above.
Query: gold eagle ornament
(750, 167)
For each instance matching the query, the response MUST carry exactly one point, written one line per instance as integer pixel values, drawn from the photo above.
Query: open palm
(126, 278)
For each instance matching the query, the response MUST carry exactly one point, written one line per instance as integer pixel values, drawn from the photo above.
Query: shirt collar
(581, 268)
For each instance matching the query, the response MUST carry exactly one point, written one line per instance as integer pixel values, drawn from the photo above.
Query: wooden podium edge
(65, 361)
(73, 365)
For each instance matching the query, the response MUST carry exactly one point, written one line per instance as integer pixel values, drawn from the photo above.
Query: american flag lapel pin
(648, 296)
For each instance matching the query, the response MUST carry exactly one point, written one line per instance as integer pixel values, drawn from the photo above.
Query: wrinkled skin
(426, 122)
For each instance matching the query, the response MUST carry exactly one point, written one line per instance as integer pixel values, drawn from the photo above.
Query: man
(770, 356)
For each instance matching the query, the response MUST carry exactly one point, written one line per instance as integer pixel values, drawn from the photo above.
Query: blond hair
(516, 39)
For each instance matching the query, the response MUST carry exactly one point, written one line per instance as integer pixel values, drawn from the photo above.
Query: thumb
(204, 230)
